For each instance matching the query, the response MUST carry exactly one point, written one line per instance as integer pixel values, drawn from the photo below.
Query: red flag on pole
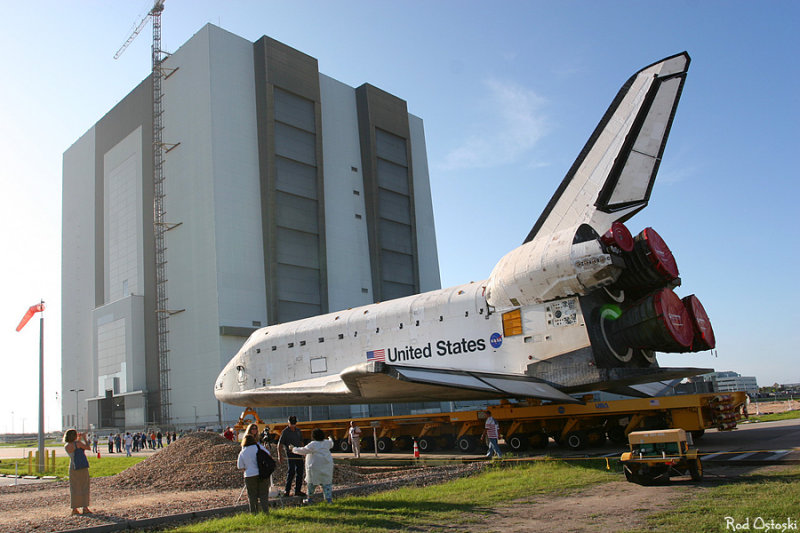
(38, 308)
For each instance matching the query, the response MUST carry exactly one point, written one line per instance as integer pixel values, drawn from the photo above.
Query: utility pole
(38, 308)
(77, 411)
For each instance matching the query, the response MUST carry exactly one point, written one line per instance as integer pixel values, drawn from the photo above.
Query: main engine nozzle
(650, 265)
(701, 325)
(659, 322)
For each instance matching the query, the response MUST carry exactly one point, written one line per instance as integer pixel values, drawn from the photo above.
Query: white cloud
(510, 122)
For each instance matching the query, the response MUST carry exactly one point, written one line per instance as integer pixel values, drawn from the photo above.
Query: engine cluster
(641, 313)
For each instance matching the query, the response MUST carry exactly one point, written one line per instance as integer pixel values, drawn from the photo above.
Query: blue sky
(509, 92)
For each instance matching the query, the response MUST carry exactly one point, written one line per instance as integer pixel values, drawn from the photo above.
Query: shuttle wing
(614, 173)
(374, 382)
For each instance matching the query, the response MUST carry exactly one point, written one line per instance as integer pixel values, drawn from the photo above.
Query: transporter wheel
(426, 444)
(538, 440)
(575, 440)
(367, 444)
(403, 443)
(467, 444)
(517, 442)
(344, 446)
(698, 434)
(696, 470)
(385, 445)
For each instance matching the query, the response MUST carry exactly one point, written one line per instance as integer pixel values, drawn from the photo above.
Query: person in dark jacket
(292, 435)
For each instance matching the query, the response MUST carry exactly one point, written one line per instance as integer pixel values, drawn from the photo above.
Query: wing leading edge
(614, 173)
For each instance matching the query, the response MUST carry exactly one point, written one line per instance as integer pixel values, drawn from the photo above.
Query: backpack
(266, 464)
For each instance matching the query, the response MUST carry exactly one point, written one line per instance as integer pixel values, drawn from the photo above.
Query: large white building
(729, 381)
(287, 194)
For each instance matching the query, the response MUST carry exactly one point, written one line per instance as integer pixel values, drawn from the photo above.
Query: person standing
(75, 445)
(354, 436)
(492, 432)
(110, 443)
(292, 435)
(257, 487)
(128, 443)
(159, 439)
(319, 466)
(94, 443)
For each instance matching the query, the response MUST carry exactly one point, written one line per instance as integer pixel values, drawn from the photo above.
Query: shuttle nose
(226, 381)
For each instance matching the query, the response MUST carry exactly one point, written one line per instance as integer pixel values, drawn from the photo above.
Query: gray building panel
(389, 191)
(289, 115)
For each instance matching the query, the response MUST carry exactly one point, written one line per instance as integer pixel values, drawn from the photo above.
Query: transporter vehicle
(529, 425)
(657, 455)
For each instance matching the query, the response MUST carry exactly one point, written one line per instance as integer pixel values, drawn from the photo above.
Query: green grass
(773, 496)
(31, 443)
(788, 415)
(456, 503)
(105, 466)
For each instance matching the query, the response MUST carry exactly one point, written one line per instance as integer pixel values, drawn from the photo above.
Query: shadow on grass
(388, 514)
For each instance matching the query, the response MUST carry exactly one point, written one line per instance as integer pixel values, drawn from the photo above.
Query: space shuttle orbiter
(581, 305)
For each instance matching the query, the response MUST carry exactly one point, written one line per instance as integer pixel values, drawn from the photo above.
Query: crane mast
(160, 226)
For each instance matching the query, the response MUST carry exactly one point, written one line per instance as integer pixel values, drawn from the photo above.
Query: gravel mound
(201, 461)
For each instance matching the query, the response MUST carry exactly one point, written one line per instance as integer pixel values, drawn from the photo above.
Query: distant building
(731, 382)
(287, 193)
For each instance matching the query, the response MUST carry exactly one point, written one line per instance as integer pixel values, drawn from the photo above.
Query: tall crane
(160, 226)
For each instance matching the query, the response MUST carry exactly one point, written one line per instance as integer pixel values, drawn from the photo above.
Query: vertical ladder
(159, 225)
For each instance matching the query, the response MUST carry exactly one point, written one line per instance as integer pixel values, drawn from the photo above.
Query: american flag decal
(376, 355)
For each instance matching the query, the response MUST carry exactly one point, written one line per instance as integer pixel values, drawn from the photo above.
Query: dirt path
(609, 507)
(47, 509)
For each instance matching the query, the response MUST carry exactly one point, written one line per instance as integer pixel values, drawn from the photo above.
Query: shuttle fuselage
(581, 305)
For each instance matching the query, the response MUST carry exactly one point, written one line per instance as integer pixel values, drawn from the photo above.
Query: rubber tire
(344, 446)
(575, 440)
(426, 444)
(698, 434)
(403, 443)
(467, 444)
(538, 440)
(517, 442)
(696, 470)
(385, 445)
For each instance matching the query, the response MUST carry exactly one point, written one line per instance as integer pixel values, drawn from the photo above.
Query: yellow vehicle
(657, 455)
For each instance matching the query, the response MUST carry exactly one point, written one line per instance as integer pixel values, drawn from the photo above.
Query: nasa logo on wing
(496, 340)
